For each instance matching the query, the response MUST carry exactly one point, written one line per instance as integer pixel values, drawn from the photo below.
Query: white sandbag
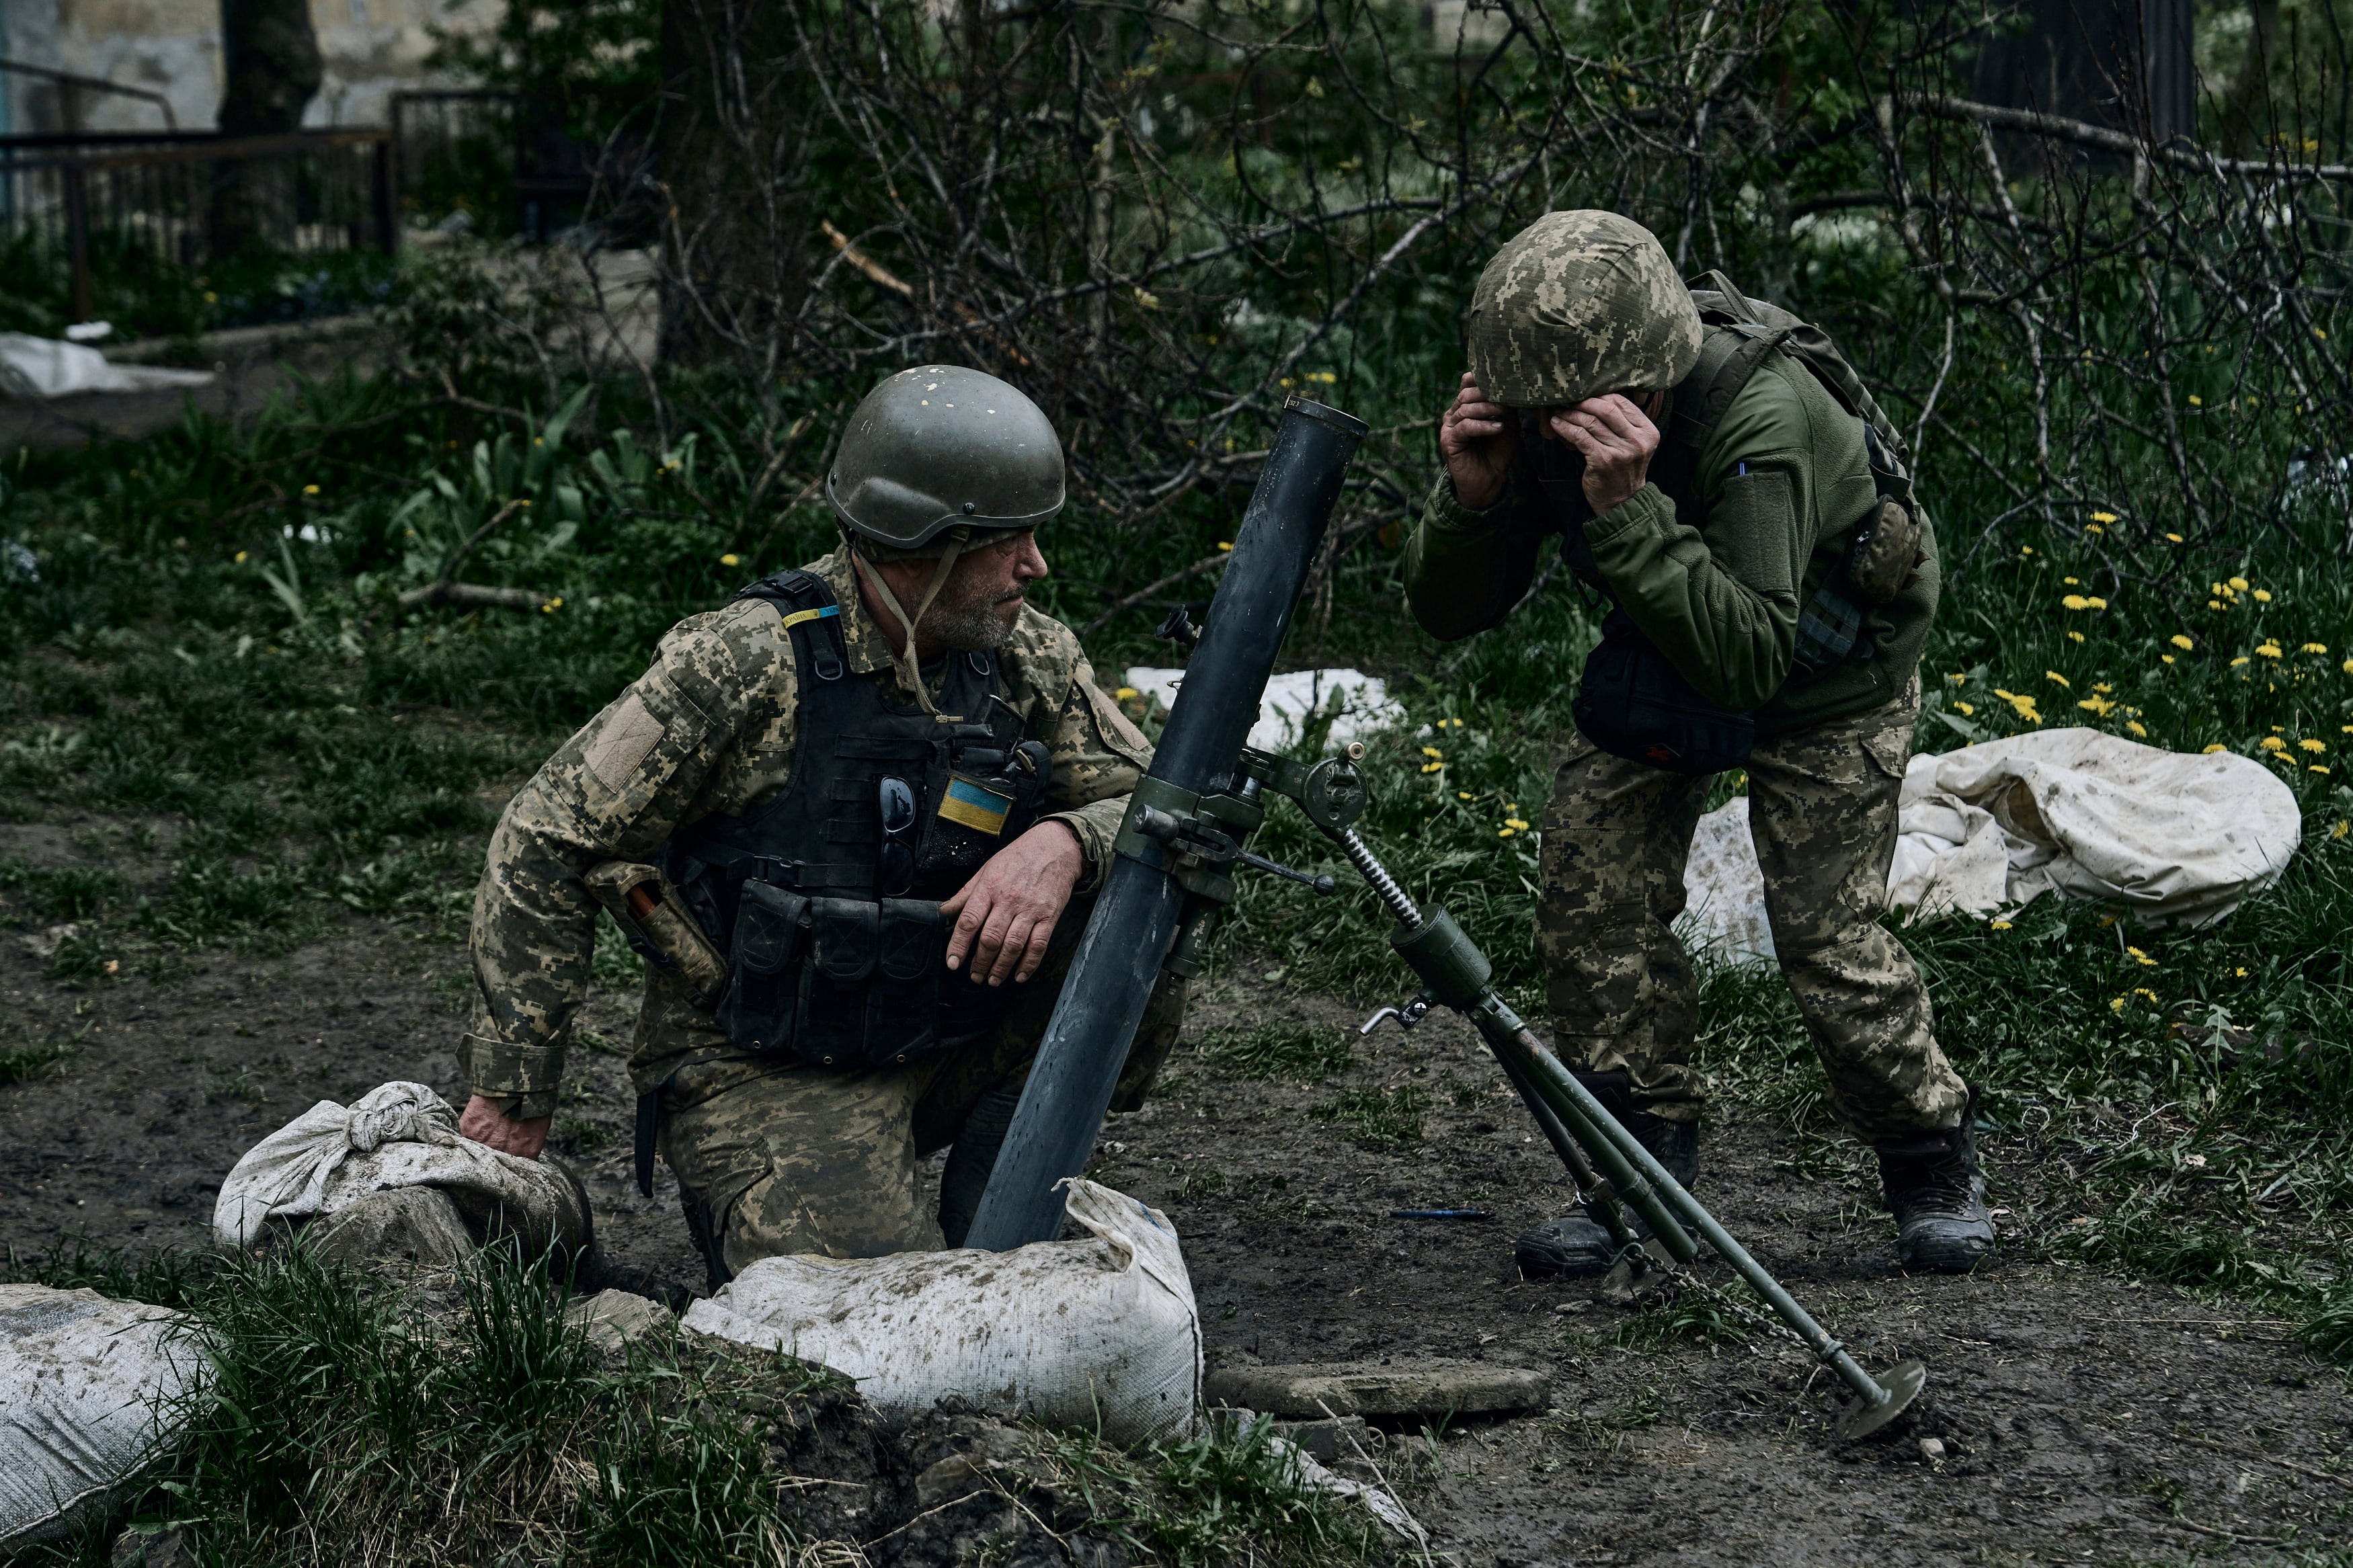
(2170, 836)
(1071, 1332)
(1724, 912)
(330, 1158)
(87, 1388)
(1359, 704)
(48, 367)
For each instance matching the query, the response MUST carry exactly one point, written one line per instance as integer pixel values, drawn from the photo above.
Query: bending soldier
(1713, 469)
(859, 854)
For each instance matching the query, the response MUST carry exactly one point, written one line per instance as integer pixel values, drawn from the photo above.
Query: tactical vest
(826, 899)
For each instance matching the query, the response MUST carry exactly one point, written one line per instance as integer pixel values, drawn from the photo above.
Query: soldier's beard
(980, 619)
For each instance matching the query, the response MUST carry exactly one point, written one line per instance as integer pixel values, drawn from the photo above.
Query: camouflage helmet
(943, 449)
(1576, 305)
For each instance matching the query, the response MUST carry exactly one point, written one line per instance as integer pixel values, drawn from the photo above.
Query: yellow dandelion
(2075, 636)
(1127, 694)
(1225, 544)
(2344, 825)
(240, 560)
(2055, 676)
(309, 490)
(2183, 643)
(1965, 709)
(1506, 832)
(2134, 726)
(2238, 585)
(2099, 705)
(2144, 960)
(2316, 768)
(1433, 767)
(2263, 595)
(2347, 667)
(2314, 647)
(1431, 752)
(2096, 602)
(2117, 1006)
(2165, 658)
(731, 558)
(2104, 686)
(2238, 661)
(2214, 603)
(2217, 746)
(1515, 824)
(2076, 602)
(2103, 517)
(2314, 747)
(2174, 538)
(2069, 581)
(2268, 649)
(1999, 925)
(2196, 401)
(2271, 743)
(1464, 795)
(1958, 680)
(2094, 528)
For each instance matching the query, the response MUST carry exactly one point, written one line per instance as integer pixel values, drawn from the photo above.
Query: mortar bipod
(1458, 975)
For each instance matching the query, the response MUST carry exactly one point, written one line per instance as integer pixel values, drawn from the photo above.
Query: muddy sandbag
(1100, 1330)
(87, 1391)
(338, 1164)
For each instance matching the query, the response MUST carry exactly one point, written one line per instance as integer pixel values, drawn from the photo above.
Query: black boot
(1575, 1245)
(1937, 1191)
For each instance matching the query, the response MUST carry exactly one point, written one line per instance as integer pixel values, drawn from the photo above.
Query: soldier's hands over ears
(1478, 439)
(485, 1122)
(1006, 914)
(1617, 438)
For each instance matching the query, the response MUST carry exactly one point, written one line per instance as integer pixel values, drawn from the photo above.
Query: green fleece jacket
(1715, 582)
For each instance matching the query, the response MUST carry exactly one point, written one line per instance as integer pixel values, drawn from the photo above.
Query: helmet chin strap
(910, 670)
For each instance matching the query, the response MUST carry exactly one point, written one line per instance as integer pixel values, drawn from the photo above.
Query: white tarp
(50, 367)
(87, 1388)
(2170, 836)
(330, 1158)
(1076, 1333)
(1360, 702)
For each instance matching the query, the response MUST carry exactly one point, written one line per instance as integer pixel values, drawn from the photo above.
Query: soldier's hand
(1617, 438)
(1006, 914)
(1478, 439)
(486, 1123)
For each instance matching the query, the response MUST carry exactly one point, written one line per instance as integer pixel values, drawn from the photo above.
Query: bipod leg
(1876, 1403)
(1592, 1191)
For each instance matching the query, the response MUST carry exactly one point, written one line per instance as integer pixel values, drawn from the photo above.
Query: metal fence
(178, 199)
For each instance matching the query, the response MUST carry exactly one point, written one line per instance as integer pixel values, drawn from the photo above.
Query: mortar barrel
(1136, 918)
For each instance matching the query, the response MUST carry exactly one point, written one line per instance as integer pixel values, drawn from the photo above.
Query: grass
(1295, 1051)
(347, 1421)
(1377, 1118)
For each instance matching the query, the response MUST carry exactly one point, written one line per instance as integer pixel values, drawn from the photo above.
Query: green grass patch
(1297, 1051)
(1377, 1118)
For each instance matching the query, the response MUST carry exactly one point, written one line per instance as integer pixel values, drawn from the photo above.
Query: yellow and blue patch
(975, 805)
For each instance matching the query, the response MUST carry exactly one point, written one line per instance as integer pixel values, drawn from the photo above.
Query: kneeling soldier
(1772, 582)
(850, 849)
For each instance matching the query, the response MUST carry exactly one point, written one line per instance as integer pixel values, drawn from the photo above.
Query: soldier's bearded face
(985, 593)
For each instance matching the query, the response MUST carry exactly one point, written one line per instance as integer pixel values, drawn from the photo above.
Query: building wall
(373, 48)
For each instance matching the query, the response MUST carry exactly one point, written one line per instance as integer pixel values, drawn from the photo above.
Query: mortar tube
(1137, 915)
(1831, 1352)
(1508, 1036)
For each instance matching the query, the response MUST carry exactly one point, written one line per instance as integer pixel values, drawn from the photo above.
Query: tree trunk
(273, 71)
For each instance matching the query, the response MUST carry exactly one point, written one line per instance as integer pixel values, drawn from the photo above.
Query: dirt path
(2083, 1418)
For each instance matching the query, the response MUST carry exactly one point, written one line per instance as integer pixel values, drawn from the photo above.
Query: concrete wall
(373, 47)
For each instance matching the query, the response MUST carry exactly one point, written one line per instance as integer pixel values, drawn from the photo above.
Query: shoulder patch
(624, 744)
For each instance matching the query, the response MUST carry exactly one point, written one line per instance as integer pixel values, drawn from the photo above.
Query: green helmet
(1576, 305)
(942, 447)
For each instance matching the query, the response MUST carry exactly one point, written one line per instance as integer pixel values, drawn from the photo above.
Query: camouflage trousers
(775, 1158)
(1821, 802)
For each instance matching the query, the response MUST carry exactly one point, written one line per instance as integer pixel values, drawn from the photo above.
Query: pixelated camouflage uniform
(1784, 479)
(774, 1157)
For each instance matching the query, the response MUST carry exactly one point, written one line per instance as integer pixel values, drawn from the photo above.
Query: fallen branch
(446, 590)
(2058, 128)
(872, 270)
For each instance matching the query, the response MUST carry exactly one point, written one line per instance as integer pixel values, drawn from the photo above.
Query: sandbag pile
(89, 1391)
(1101, 1332)
(2170, 837)
(398, 1182)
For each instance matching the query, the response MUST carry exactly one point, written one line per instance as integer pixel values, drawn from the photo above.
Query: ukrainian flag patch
(977, 807)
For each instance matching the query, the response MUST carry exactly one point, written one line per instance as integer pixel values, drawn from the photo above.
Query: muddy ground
(2083, 1418)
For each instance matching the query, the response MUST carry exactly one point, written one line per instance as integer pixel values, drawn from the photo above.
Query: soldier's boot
(1575, 1245)
(1937, 1191)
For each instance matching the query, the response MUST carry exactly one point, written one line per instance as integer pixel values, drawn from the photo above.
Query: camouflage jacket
(710, 729)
